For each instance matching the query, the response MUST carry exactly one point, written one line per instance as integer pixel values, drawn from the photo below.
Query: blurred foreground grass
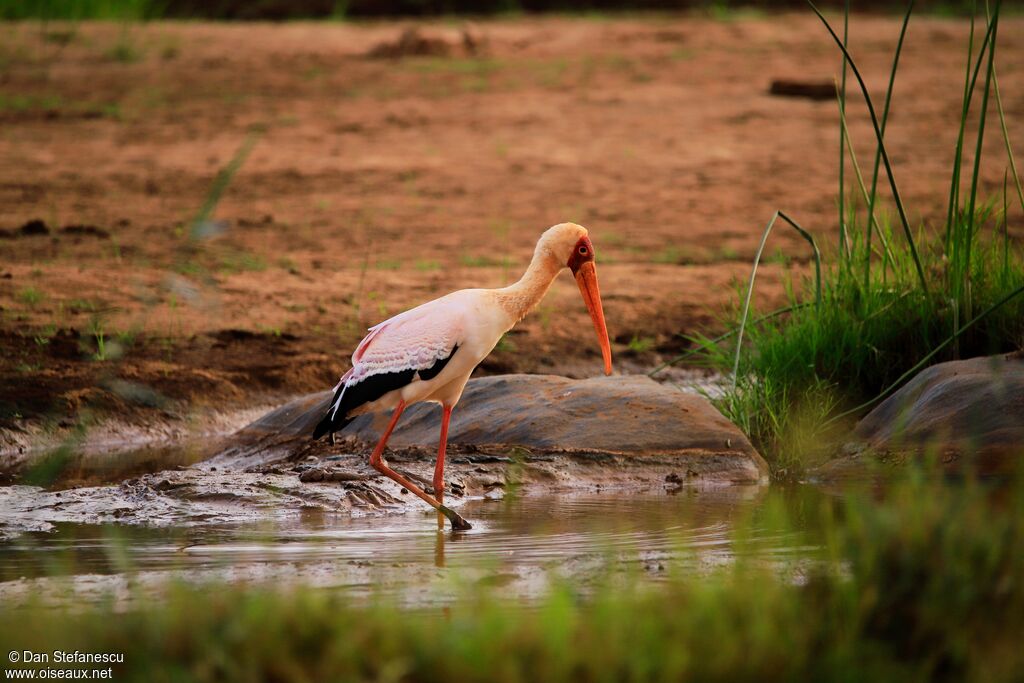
(920, 581)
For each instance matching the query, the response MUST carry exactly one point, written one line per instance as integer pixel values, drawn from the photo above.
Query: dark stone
(86, 230)
(34, 227)
(811, 90)
(629, 416)
(968, 412)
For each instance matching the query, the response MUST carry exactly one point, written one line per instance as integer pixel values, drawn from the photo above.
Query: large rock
(963, 412)
(629, 417)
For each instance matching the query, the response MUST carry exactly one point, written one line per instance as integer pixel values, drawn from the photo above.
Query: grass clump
(894, 298)
(922, 583)
(76, 10)
(804, 368)
(31, 296)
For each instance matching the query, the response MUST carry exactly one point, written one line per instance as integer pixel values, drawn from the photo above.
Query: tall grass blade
(878, 153)
(968, 235)
(885, 155)
(753, 275)
(843, 247)
(1006, 139)
(220, 184)
(867, 200)
(1006, 231)
(972, 79)
(1006, 134)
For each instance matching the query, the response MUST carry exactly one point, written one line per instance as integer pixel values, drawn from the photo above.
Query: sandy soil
(375, 184)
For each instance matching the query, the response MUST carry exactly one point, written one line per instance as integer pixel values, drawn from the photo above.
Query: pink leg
(441, 448)
(377, 462)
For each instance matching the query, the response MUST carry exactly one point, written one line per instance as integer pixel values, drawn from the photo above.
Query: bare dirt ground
(378, 183)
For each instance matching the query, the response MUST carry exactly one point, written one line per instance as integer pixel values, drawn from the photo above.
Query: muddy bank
(524, 433)
(344, 484)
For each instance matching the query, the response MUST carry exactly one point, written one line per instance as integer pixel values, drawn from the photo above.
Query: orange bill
(586, 278)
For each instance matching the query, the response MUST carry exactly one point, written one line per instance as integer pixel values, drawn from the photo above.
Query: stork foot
(458, 523)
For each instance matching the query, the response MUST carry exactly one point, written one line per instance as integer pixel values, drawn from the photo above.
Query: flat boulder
(968, 412)
(623, 417)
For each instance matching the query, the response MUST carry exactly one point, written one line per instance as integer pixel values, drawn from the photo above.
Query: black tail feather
(364, 391)
(328, 426)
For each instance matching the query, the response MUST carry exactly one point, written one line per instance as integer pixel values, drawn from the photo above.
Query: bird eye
(583, 251)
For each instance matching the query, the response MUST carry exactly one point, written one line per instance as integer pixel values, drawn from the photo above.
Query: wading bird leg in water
(377, 463)
(446, 416)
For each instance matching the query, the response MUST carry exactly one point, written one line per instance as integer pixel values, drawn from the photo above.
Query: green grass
(921, 582)
(670, 254)
(640, 344)
(804, 368)
(99, 337)
(427, 265)
(124, 51)
(894, 297)
(81, 9)
(34, 104)
(240, 261)
(480, 261)
(31, 296)
(470, 66)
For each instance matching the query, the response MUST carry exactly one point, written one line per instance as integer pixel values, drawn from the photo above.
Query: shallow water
(518, 542)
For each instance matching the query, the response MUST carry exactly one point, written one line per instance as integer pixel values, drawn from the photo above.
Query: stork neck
(520, 298)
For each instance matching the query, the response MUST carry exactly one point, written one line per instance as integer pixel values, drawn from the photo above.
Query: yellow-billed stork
(428, 353)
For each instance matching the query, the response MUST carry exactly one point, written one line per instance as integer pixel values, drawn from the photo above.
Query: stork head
(569, 245)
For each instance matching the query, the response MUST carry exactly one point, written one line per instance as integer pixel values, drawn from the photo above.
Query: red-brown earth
(377, 183)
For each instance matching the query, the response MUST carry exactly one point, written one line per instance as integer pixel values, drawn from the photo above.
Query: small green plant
(505, 344)
(30, 296)
(170, 48)
(726, 253)
(640, 344)
(478, 261)
(99, 337)
(464, 66)
(238, 261)
(124, 50)
(426, 265)
(45, 335)
(671, 255)
(58, 104)
(61, 37)
(77, 305)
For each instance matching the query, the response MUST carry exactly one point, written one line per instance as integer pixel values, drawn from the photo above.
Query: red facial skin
(581, 263)
(582, 253)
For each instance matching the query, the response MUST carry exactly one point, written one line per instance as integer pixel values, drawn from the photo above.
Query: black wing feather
(369, 390)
